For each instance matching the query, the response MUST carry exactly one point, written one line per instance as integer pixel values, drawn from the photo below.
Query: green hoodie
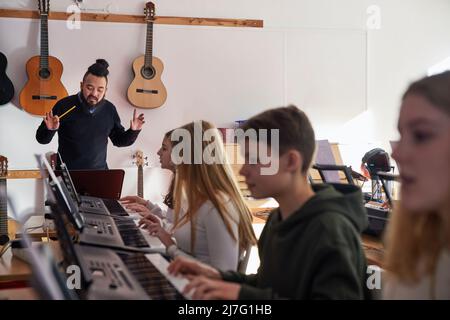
(315, 253)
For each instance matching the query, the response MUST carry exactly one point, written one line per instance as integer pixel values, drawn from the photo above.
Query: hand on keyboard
(154, 226)
(134, 216)
(189, 266)
(202, 288)
(139, 208)
(133, 199)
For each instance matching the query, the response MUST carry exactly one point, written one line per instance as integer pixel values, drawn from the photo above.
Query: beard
(90, 101)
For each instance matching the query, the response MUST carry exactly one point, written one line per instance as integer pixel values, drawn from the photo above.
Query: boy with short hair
(310, 246)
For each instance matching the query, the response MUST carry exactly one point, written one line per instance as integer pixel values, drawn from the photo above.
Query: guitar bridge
(147, 91)
(44, 97)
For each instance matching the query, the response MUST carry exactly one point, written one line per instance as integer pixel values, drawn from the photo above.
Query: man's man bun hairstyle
(98, 69)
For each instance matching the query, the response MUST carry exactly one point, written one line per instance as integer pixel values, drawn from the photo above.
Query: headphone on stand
(373, 161)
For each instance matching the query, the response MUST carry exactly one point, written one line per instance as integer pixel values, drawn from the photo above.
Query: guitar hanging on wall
(147, 90)
(6, 86)
(44, 87)
(139, 157)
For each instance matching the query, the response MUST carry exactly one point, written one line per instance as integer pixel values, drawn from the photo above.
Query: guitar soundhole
(44, 73)
(148, 72)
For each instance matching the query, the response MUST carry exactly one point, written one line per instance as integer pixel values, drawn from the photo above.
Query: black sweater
(315, 253)
(83, 136)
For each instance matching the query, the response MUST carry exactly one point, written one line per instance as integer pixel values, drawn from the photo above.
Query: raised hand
(137, 122)
(51, 121)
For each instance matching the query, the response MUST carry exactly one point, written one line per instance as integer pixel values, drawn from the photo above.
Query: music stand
(333, 167)
(386, 176)
(98, 183)
(325, 164)
(324, 156)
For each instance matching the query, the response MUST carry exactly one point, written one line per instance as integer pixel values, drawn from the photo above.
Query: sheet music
(325, 156)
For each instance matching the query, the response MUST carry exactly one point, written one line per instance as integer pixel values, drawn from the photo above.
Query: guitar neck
(3, 210)
(44, 42)
(149, 45)
(140, 186)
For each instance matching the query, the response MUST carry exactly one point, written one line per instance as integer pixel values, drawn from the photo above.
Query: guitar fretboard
(3, 208)
(44, 42)
(149, 45)
(140, 185)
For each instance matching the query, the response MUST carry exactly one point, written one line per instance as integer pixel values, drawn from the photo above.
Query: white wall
(414, 36)
(317, 54)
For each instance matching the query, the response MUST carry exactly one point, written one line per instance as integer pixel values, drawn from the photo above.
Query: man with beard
(84, 122)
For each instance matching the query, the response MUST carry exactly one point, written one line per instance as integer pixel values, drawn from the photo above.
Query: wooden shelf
(125, 18)
(23, 174)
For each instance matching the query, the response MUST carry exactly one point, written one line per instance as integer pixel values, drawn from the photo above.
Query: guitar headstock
(140, 159)
(44, 6)
(3, 167)
(149, 11)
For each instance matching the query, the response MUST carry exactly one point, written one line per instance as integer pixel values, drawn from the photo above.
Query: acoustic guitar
(147, 90)
(8, 227)
(6, 86)
(44, 87)
(139, 161)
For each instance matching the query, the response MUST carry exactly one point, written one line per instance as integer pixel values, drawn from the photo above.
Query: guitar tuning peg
(134, 156)
(146, 158)
(146, 163)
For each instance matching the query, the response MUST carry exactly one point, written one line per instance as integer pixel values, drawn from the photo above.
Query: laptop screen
(106, 184)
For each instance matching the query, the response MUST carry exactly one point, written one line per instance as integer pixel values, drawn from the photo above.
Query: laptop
(105, 184)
